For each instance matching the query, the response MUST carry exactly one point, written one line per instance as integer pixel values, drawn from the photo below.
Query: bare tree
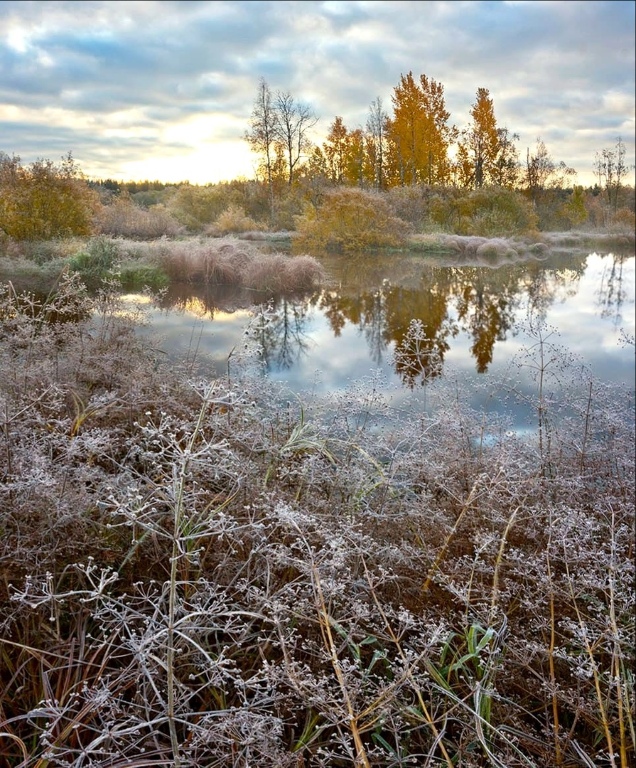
(542, 171)
(376, 128)
(263, 134)
(294, 120)
(611, 169)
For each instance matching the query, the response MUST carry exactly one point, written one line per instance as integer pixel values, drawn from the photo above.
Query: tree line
(412, 145)
(424, 170)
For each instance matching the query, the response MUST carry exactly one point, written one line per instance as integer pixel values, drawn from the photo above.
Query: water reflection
(612, 291)
(282, 334)
(411, 313)
(481, 301)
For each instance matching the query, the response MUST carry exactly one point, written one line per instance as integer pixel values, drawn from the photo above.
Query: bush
(122, 218)
(351, 220)
(96, 262)
(492, 212)
(44, 200)
(228, 261)
(411, 204)
(233, 220)
(198, 208)
(623, 221)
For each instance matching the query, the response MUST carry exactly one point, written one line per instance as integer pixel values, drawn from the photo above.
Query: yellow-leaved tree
(479, 148)
(44, 200)
(419, 135)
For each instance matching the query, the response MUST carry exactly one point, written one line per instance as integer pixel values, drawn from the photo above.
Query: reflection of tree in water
(366, 309)
(486, 299)
(486, 304)
(283, 339)
(411, 311)
(611, 293)
(374, 315)
(279, 332)
(336, 308)
(419, 324)
(544, 283)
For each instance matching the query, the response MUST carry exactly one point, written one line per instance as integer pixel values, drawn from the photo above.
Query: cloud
(144, 80)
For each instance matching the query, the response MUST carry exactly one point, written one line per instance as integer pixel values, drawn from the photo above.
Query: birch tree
(263, 134)
(295, 120)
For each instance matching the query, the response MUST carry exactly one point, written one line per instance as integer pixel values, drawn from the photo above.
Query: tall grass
(229, 261)
(209, 572)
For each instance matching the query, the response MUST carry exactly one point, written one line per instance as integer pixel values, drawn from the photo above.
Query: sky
(165, 90)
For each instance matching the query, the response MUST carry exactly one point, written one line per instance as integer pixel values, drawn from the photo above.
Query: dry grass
(204, 572)
(229, 261)
(122, 218)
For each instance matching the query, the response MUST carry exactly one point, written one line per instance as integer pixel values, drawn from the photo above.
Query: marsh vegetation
(212, 572)
(206, 570)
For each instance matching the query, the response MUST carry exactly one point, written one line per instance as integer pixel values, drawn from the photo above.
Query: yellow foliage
(44, 200)
(351, 220)
(234, 219)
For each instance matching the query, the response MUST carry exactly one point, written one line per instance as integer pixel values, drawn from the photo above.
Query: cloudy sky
(164, 90)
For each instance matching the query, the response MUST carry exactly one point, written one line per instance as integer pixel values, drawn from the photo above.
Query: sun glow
(208, 164)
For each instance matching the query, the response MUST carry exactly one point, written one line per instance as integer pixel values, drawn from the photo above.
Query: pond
(409, 324)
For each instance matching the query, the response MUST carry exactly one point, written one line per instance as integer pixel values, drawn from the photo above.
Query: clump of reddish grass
(233, 262)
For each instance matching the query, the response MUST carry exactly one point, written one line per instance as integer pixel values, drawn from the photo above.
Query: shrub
(623, 221)
(197, 208)
(411, 204)
(96, 262)
(233, 220)
(44, 200)
(488, 212)
(279, 273)
(122, 218)
(351, 220)
(229, 262)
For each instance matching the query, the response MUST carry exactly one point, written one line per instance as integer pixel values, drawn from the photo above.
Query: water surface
(411, 322)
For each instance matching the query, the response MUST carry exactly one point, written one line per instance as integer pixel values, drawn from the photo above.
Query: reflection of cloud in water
(327, 344)
(197, 308)
(136, 298)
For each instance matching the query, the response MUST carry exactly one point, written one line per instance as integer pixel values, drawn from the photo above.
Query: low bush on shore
(209, 572)
(156, 263)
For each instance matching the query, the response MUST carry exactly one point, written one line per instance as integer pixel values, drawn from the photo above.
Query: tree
(335, 150)
(376, 140)
(419, 134)
(263, 134)
(477, 152)
(294, 121)
(611, 170)
(442, 134)
(44, 200)
(357, 169)
(505, 171)
(542, 172)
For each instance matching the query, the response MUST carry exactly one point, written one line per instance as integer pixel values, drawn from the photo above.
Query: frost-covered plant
(214, 572)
